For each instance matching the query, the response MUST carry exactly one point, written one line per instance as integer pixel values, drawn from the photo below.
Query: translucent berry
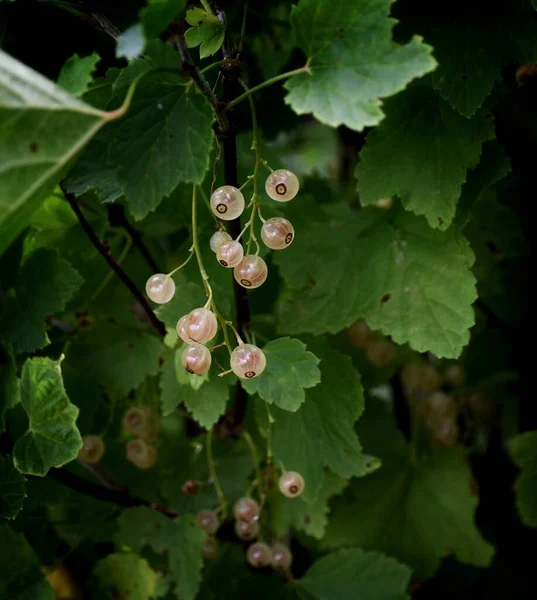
(227, 202)
(141, 454)
(200, 326)
(142, 421)
(291, 484)
(259, 555)
(455, 374)
(359, 334)
(246, 531)
(92, 450)
(384, 203)
(208, 521)
(246, 509)
(281, 556)
(277, 233)
(230, 254)
(210, 549)
(442, 404)
(218, 238)
(196, 359)
(380, 353)
(444, 430)
(189, 487)
(422, 377)
(282, 185)
(251, 272)
(160, 288)
(248, 361)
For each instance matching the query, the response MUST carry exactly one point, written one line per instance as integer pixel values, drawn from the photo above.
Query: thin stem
(243, 26)
(246, 183)
(220, 63)
(196, 244)
(207, 6)
(243, 230)
(212, 474)
(207, 202)
(184, 264)
(267, 83)
(239, 339)
(124, 278)
(255, 459)
(110, 274)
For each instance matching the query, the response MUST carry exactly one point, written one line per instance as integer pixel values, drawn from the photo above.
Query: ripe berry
(419, 376)
(210, 549)
(141, 454)
(196, 359)
(92, 450)
(259, 555)
(277, 233)
(208, 521)
(200, 326)
(246, 509)
(160, 288)
(227, 202)
(444, 430)
(442, 404)
(360, 334)
(251, 272)
(380, 353)
(230, 254)
(282, 185)
(291, 484)
(189, 488)
(142, 421)
(455, 374)
(248, 361)
(246, 531)
(281, 556)
(218, 238)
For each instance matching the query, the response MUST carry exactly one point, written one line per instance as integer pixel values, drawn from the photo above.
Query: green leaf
(290, 370)
(43, 129)
(52, 438)
(9, 383)
(12, 489)
(421, 154)
(523, 451)
(353, 61)
(131, 43)
(206, 404)
(119, 357)
(418, 511)
(76, 73)
(44, 286)
(165, 138)
(407, 280)
(20, 575)
(208, 32)
(158, 14)
(321, 432)
(126, 577)
(353, 573)
(181, 538)
(188, 296)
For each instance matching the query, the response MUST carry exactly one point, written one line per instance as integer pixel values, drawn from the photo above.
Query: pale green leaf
(411, 282)
(321, 432)
(421, 153)
(131, 42)
(523, 451)
(207, 32)
(353, 573)
(290, 370)
(44, 286)
(126, 577)
(181, 538)
(418, 511)
(353, 61)
(12, 489)
(43, 129)
(76, 73)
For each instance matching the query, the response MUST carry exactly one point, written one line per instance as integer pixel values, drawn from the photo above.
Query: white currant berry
(282, 185)
(227, 202)
(248, 361)
(251, 272)
(200, 326)
(230, 254)
(141, 454)
(160, 288)
(259, 555)
(442, 404)
(246, 509)
(196, 359)
(142, 421)
(291, 484)
(277, 233)
(208, 521)
(218, 238)
(210, 548)
(281, 556)
(92, 450)
(360, 334)
(380, 353)
(246, 531)
(455, 374)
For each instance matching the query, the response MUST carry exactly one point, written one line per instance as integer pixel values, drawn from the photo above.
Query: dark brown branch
(117, 218)
(104, 251)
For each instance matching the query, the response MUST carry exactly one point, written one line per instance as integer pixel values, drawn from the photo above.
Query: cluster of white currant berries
(227, 203)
